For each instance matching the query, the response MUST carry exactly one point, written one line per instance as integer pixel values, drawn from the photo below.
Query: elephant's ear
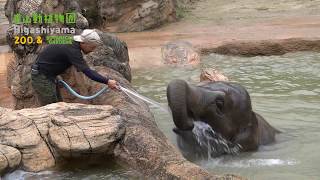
(248, 135)
(265, 131)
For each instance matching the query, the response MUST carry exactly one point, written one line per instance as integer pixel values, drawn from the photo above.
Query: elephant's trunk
(177, 94)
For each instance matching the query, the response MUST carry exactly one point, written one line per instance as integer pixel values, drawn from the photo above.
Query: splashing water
(213, 142)
(133, 95)
(220, 162)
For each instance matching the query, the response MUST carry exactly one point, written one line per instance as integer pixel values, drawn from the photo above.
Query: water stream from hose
(133, 95)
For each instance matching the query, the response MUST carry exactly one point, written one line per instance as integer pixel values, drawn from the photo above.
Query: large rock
(211, 74)
(179, 53)
(129, 15)
(58, 132)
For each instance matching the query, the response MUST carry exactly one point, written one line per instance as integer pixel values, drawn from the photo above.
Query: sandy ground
(213, 23)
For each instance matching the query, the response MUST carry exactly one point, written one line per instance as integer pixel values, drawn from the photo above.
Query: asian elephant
(225, 107)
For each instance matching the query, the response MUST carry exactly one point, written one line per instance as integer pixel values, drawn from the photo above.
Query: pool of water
(244, 11)
(107, 171)
(285, 90)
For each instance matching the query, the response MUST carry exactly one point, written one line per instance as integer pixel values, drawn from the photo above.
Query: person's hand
(112, 84)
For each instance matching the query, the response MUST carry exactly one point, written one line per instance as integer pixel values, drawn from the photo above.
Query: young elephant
(225, 107)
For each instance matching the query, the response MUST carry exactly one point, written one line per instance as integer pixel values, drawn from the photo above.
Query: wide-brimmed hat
(88, 35)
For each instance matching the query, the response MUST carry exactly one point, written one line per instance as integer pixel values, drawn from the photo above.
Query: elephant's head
(226, 107)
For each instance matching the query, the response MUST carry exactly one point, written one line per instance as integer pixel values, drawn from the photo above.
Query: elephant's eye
(220, 105)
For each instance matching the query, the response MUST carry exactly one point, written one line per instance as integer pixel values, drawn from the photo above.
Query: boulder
(211, 74)
(54, 133)
(132, 15)
(179, 53)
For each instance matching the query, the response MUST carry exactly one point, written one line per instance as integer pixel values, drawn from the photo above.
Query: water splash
(213, 142)
(133, 95)
(249, 163)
